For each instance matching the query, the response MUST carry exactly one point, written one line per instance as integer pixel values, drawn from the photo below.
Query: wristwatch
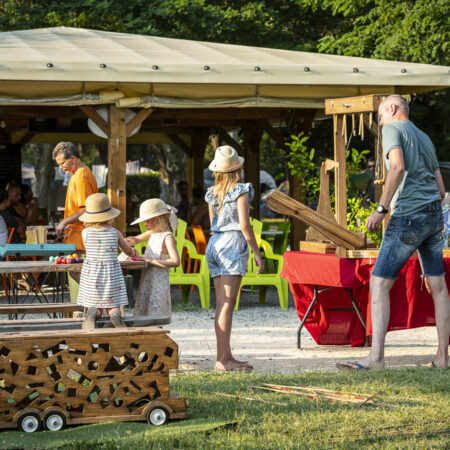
(381, 209)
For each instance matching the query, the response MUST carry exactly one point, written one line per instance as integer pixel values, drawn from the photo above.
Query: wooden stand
(53, 378)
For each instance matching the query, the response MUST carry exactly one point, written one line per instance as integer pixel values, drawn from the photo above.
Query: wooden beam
(117, 180)
(252, 140)
(96, 118)
(339, 172)
(27, 138)
(138, 119)
(348, 105)
(274, 134)
(178, 141)
(230, 141)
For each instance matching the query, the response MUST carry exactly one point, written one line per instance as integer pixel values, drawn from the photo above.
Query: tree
(400, 30)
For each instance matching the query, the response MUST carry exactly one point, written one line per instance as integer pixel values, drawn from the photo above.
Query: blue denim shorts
(404, 235)
(227, 254)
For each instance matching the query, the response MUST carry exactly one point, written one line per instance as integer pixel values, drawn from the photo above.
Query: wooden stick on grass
(250, 399)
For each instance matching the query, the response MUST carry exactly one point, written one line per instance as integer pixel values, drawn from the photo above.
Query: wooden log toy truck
(58, 378)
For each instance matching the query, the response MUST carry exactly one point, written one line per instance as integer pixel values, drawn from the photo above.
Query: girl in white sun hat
(102, 286)
(161, 253)
(227, 250)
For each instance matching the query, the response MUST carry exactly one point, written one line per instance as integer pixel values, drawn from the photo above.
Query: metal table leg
(358, 313)
(310, 307)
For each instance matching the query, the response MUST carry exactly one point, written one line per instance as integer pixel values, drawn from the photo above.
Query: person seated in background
(198, 211)
(184, 204)
(9, 214)
(28, 205)
(4, 203)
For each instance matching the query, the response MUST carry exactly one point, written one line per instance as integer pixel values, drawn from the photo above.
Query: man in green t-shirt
(414, 190)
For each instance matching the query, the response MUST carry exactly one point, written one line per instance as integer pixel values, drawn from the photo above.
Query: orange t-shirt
(81, 185)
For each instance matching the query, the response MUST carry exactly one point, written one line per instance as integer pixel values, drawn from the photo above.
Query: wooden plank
(149, 324)
(373, 253)
(35, 308)
(9, 326)
(348, 105)
(138, 119)
(283, 204)
(96, 118)
(324, 206)
(339, 172)
(117, 155)
(317, 247)
(47, 266)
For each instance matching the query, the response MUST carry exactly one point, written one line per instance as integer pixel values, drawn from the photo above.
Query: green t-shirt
(418, 187)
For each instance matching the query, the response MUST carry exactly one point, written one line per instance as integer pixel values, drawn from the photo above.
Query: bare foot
(232, 366)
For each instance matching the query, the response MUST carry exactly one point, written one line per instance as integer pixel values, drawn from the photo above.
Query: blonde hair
(109, 222)
(224, 183)
(160, 223)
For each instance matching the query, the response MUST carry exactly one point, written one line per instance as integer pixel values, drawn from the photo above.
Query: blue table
(36, 249)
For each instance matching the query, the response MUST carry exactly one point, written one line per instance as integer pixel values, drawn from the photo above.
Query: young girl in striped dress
(102, 286)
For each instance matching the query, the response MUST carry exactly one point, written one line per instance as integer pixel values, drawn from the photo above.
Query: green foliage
(356, 160)
(272, 159)
(399, 30)
(144, 185)
(357, 216)
(302, 166)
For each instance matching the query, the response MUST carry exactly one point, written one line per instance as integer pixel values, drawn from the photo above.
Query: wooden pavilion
(52, 80)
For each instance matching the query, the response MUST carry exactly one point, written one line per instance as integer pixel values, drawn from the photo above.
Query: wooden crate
(87, 376)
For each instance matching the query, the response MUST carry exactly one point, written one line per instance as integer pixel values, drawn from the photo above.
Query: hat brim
(213, 167)
(149, 216)
(100, 217)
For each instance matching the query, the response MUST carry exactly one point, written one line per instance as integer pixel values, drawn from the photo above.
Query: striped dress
(102, 284)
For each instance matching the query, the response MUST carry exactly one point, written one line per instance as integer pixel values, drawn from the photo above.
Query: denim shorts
(227, 254)
(404, 235)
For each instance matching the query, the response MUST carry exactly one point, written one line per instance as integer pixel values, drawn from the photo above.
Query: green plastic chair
(140, 248)
(265, 279)
(179, 276)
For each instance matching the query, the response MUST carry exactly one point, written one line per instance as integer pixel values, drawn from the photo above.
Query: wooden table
(35, 267)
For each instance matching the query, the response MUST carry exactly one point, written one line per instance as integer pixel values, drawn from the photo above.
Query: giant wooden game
(54, 378)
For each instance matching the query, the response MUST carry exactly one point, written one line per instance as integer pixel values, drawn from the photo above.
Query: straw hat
(98, 209)
(151, 208)
(226, 159)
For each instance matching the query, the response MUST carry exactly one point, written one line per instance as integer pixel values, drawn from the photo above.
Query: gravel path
(266, 336)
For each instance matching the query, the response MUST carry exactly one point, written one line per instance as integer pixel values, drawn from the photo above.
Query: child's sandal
(117, 321)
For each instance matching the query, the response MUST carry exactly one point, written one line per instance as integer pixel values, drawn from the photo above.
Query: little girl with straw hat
(102, 286)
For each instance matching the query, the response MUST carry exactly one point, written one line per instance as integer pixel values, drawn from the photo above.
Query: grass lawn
(420, 419)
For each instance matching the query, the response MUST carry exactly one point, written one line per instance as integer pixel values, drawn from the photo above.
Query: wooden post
(198, 145)
(340, 185)
(252, 139)
(117, 180)
(299, 121)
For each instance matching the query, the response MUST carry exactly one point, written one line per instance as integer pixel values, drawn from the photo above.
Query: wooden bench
(75, 323)
(37, 308)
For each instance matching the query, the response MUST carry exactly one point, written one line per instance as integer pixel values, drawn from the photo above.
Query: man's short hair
(66, 149)
(3, 195)
(397, 100)
(11, 185)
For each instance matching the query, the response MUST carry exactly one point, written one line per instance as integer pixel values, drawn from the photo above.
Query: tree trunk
(44, 175)
(172, 169)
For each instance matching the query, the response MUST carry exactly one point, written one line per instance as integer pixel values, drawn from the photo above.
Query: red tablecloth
(411, 304)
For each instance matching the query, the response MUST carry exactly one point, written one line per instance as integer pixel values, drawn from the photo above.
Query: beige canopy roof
(74, 66)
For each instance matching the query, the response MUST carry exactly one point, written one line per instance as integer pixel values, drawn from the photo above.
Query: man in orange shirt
(81, 185)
